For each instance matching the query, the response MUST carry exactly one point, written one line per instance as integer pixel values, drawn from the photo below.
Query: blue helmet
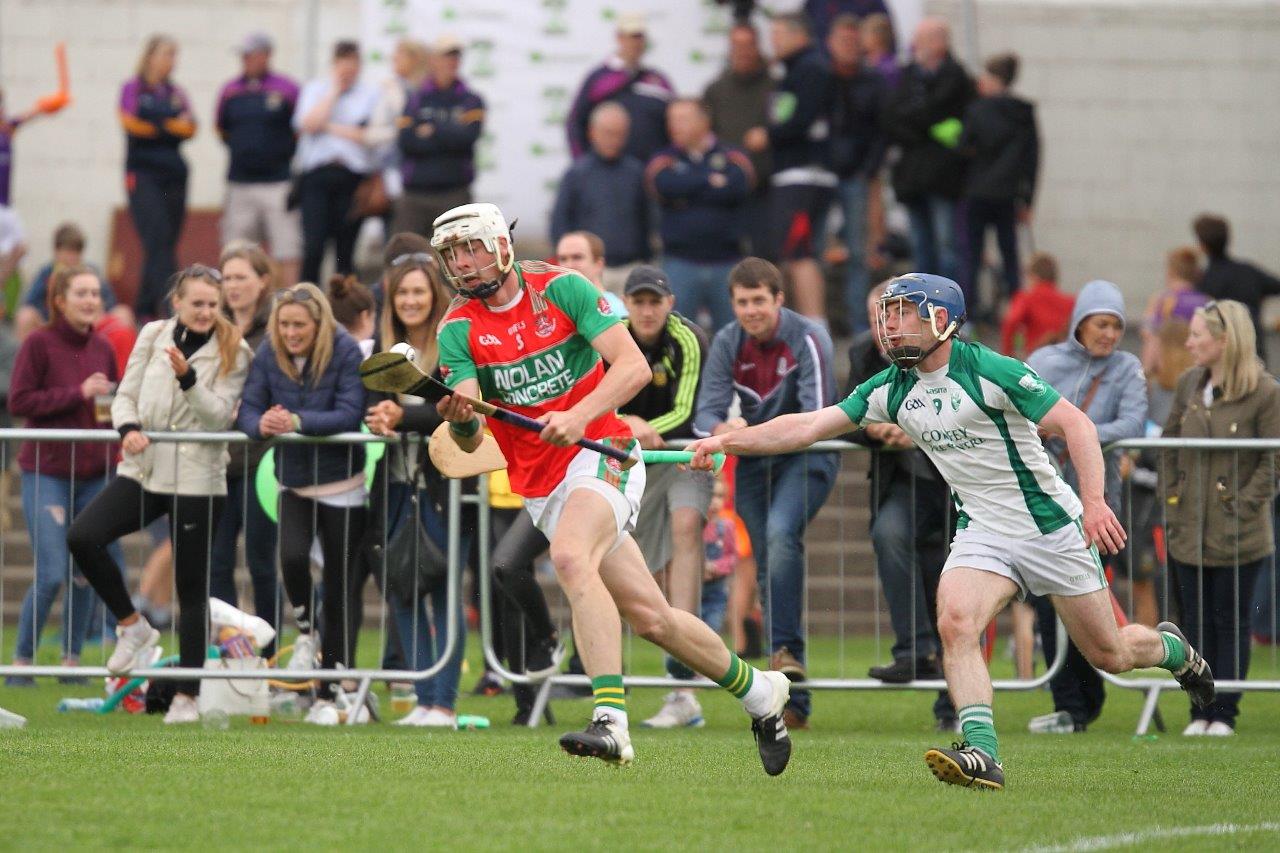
(928, 293)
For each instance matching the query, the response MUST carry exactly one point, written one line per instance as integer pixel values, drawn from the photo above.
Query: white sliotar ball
(405, 350)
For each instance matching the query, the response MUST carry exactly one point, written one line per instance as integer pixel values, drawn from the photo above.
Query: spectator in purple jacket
(642, 91)
(63, 376)
(255, 119)
(438, 133)
(880, 49)
(157, 118)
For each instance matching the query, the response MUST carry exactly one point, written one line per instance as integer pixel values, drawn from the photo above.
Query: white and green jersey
(976, 419)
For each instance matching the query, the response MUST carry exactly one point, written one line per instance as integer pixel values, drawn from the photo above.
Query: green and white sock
(740, 680)
(611, 698)
(1175, 652)
(979, 727)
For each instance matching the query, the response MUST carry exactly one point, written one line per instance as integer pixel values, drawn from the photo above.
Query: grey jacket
(1118, 407)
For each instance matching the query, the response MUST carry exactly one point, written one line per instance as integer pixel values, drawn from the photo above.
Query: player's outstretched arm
(1101, 527)
(783, 434)
(628, 372)
(466, 426)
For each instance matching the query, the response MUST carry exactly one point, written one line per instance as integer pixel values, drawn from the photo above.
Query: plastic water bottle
(10, 720)
(472, 722)
(91, 705)
(215, 720)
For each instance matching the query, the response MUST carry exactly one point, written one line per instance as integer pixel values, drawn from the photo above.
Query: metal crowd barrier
(365, 677)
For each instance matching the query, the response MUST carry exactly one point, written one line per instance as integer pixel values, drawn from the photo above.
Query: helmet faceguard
(937, 301)
(453, 238)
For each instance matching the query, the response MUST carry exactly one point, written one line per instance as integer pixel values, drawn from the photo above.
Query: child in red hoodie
(1040, 312)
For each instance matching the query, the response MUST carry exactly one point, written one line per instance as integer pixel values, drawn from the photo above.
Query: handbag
(245, 697)
(415, 564)
(370, 198)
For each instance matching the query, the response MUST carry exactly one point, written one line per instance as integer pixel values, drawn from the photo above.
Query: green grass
(857, 780)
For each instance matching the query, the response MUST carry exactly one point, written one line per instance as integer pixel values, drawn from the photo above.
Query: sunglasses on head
(286, 296)
(1212, 305)
(412, 258)
(202, 271)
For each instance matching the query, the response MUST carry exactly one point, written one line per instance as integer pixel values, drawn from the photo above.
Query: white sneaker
(182, 710)
(680, 709)
(134, 644)
(1196, 728)
(1057, 723)
(304, 653)
(1219, 729)
(323, 713)
(429, 718)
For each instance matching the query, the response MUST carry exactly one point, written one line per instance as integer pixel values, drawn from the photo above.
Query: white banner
(527, 60)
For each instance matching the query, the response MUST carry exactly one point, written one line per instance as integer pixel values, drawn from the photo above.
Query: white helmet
(452, 235)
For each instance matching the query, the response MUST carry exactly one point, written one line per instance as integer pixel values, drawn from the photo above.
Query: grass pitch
(857, 780)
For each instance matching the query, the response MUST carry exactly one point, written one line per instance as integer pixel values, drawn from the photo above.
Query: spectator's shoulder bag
(370, 198)
(415, 564)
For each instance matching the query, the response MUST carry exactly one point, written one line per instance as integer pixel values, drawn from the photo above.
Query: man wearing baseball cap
(673, 510)
(642, 91)
(253, 117)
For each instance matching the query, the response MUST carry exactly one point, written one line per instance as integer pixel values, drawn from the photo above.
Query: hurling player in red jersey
(532, 337)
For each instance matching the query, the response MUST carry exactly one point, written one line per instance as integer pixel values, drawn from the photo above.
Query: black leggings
(526, 618)
(124, 507)
(341, 530)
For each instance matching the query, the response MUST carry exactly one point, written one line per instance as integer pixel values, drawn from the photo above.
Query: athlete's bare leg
(683, 635)
(968, 599)
(587, 529)
(1091, 622)
(684, 573)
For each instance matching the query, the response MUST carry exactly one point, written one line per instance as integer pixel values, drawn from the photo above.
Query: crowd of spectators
(697, 218)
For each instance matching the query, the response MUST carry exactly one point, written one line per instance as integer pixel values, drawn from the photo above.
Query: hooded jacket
(1118, 406)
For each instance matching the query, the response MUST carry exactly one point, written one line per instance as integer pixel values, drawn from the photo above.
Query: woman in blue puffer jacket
(305, 378)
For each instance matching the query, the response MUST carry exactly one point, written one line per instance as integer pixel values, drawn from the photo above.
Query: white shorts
(1057, 563)
(600, 474)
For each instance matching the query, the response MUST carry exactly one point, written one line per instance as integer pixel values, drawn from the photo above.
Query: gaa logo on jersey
(602, 305)
(1032, 383)
(544, 325)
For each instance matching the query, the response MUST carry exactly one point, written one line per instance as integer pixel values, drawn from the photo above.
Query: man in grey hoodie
(1106, 384)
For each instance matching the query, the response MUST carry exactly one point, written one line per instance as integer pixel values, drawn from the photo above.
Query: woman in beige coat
(184, 374)
(1218, 509)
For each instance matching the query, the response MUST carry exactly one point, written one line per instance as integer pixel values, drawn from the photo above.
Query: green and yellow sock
(738, 679)
(1175, 653)
(979, 727)
(610, 696)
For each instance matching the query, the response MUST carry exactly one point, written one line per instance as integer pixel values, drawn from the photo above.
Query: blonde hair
(326, 329)
(226, 332)
(154, 43)
(393, 330)
(1230, 322)
(418, 54)
(1173, 360)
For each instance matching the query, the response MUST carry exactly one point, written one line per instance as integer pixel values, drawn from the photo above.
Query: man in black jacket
(911, 525)
(923, 118)
(803, 184)
(1001, 138)
(1226, 278)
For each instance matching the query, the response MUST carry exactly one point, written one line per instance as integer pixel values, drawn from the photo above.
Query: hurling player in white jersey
(1020, 527)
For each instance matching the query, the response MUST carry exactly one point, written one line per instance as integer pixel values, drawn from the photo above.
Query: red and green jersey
(532, 356)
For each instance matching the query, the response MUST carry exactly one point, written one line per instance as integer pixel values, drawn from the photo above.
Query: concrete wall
(1151, 111)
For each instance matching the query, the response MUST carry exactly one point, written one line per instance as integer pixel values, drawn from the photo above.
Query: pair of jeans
(341, 530)
(158, 207)
(933, 235)
(244, 509)
(698, 285)
(423, 638)
(777, 497)
(125, 507)
(1215, 604)
(1077, 689)
(48, 504)
(852, 193)
(909, 534)
(324, 197)
(980, 215)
